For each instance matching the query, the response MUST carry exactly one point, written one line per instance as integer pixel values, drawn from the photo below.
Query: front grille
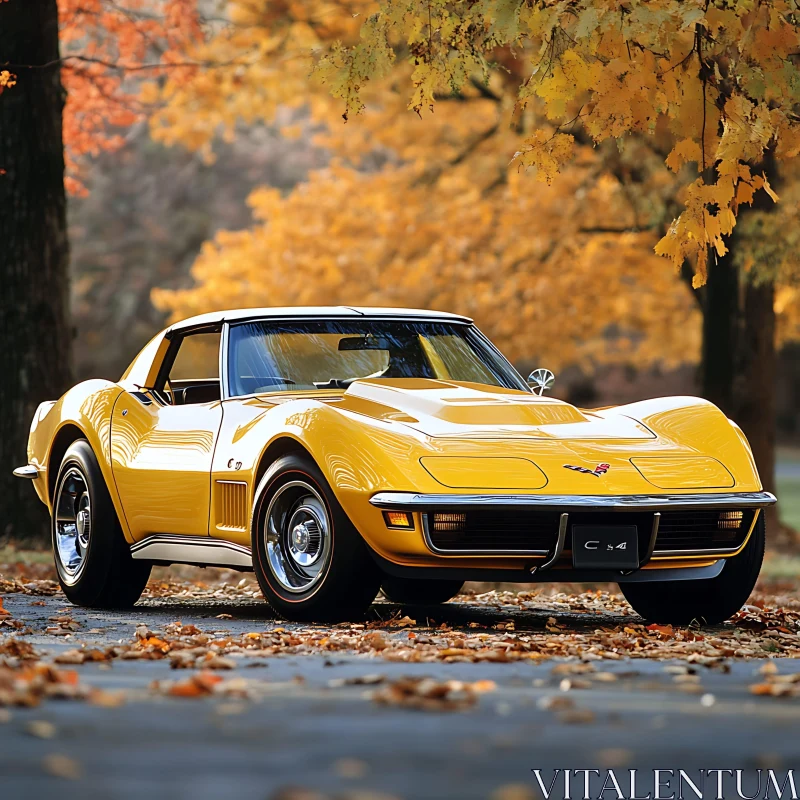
(512, 529)
(703, 530)
(531, 530)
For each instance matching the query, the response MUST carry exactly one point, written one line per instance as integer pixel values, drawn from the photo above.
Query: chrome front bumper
(576, 502)
(657, 504)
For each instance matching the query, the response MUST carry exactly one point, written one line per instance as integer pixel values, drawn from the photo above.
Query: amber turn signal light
(730, 519)
(399, 519)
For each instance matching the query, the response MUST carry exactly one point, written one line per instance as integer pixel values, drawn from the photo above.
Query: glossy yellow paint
(485, 472)
(170, 469)
(683, 472)
(161, 459)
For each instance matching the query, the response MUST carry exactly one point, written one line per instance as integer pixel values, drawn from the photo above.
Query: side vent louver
(231, 505)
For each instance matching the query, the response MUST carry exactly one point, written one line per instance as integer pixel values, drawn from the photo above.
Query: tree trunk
(720, 329)
(754, 390)
(739, 357)
(34, 301)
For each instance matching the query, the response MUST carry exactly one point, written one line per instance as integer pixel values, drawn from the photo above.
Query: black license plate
(605, 547)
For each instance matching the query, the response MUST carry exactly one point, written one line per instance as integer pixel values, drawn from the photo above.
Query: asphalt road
(338, 741)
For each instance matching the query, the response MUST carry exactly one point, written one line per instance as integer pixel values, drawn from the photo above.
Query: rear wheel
(419, 591)
(310, 561)
(705, 601)
(92, 558)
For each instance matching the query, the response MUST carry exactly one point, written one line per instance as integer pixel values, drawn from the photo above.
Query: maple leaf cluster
(104, 47)
(721, 76)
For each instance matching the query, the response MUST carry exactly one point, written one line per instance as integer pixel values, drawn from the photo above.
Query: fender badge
(599, 470)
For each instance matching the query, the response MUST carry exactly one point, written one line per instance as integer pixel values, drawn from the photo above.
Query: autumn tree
(547, 298)
(721, 76)
(685, 108)
(34, 317)
(441, 225)
(74, 92)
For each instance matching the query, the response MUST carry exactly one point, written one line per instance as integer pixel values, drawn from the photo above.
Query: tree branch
(131, 67)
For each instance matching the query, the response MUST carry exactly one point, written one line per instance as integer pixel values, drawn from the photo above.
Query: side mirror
(541, 380)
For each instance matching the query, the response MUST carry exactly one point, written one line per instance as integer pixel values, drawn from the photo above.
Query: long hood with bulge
(484, 437)
(475, 411)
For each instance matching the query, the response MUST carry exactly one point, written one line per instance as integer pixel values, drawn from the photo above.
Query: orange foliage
(105, 46)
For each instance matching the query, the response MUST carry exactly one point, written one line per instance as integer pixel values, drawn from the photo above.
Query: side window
(194, 375)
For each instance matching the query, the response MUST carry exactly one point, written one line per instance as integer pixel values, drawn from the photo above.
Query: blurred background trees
(62, 78)
(248, 188)
(34, 315)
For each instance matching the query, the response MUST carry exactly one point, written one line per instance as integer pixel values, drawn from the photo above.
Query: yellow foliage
(391, 239)
(565, 273)
(722, 74)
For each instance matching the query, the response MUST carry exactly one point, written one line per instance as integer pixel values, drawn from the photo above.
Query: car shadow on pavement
(457, 615)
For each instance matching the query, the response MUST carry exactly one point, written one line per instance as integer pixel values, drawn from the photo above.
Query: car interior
(190, 373)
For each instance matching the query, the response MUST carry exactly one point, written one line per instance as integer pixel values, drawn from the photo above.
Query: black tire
(102, 573)
(709, 601)
(419, 591)
(342, 581)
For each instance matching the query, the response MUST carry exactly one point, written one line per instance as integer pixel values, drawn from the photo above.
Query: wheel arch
(66, 435)
(280, 446)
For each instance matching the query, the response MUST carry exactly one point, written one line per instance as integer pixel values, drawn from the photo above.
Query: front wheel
(419, 591)
(92, 558)
(709, 601)
(310, 561)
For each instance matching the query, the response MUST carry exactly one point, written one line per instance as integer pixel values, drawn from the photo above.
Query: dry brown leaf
(427, 694)
(350, 768)
(772, 689)
(40, 728)
(514, 791)
(198, 685)
(576, 716)
(61, 766)
(70, 657)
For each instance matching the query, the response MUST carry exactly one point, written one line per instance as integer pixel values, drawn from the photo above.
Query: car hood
(455, 409)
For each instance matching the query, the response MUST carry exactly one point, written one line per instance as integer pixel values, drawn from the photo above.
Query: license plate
(605, 547)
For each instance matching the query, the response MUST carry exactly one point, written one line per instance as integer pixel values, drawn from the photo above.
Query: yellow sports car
(339, 451)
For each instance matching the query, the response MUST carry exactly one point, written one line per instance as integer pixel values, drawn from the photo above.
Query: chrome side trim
(575, 502)
(192, 550)
(559, 548)
(442, 552)
(223, 361)
(28, 471)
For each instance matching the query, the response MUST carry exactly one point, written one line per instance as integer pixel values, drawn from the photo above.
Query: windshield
(293, 356)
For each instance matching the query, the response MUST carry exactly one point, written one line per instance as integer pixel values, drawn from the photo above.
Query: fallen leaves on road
(495, 626)
(61, 766)
(29, 685)
(197, 685)
(65, 625)
(17, 650)
(588, 626)
(83, 655)
(427, 694)
(44, 587)
(776, 685)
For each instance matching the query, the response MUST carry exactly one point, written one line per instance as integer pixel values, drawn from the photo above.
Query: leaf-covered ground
(202, 665)
(500, 625)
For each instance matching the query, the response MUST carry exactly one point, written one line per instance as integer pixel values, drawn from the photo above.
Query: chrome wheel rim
(297, 536)
(73, 523)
